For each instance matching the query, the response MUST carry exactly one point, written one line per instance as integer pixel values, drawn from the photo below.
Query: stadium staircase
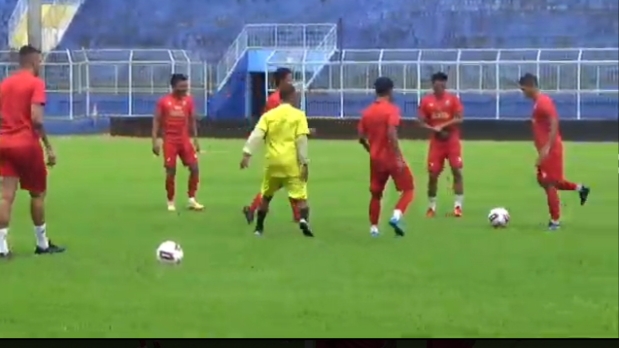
(56, 17)
(304, 48)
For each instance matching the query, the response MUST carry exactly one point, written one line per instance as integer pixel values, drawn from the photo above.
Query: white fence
(113, 82)
(580, 78)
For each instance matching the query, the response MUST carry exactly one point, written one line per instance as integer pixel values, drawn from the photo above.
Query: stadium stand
(95, 71)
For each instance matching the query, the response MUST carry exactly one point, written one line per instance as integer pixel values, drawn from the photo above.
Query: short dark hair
(28, 50)
(439, 76)
(280, 75)
(383, 85)
(176, 78)
(287, 91)
(528, 80)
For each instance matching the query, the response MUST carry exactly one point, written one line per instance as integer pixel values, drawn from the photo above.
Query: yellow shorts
(296, 188)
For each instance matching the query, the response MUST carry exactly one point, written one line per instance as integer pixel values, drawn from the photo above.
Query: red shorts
(183, 150)
(439, 152)
(551, 169)
(380, 174)
(26, 163)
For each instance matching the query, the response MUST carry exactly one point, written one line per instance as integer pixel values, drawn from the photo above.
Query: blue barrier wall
(483, 106)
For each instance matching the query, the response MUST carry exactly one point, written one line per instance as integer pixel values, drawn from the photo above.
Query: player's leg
(405, 184)
(189, 158)
(455, 162)
(565, 185)
(549, 175)
(436, 160)
(34, 180)
(378, 181)
(270, 186)
(250, 210)
(9, 181)
(297, 192)
(170, 152)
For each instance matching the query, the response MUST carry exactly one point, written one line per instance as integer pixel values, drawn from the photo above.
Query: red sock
(374, 210)
(566, 186)
(295, 211)
(255, 204)
(406, 197)
(169, 187)
(192, 185)
(554, 204)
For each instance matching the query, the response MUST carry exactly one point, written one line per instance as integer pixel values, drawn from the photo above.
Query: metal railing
(84, 83)
(578, 78)
(270, 36)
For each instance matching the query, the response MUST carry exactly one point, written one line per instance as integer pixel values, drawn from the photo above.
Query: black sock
(304, 213)
(260, 217)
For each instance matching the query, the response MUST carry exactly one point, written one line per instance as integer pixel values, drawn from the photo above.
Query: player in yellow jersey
(284, 131)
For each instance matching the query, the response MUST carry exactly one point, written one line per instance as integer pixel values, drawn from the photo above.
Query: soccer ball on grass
(170, 252)
(498, 217)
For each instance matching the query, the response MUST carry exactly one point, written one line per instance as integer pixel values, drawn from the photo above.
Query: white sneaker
(194, 205)
(171, 206)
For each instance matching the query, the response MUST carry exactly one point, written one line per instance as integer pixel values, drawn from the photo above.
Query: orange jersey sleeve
(548, 108)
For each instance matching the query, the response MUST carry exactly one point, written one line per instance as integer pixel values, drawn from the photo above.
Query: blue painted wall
(207, 27)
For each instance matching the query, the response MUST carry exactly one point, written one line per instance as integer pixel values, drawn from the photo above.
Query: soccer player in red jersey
(282, 76)
(175, 118)
(378, 135)
(441, 112)
(22, 158)
(549, 145)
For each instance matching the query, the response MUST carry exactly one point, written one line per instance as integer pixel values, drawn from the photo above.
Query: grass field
(446, 278)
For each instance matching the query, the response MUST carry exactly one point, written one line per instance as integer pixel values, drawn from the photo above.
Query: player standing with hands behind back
(549, 146)
(441, 112)
(284, 131)
(175, 118)
(378, 135)
(22, 161)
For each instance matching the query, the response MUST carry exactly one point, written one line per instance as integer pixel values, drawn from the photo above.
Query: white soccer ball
(498, 217)
(170, 252)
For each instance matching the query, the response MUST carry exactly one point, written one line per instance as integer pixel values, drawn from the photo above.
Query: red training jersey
(438, 110)
(176, 115)
(17, 94)
(374, 125)
(273, 101)
(544, 111)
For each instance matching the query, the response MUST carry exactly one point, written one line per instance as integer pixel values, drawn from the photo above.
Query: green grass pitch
(448, 277)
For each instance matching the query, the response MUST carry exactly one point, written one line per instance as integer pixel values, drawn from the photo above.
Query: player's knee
(194, 169)
(433, 176)
(37, 195)
(376, 194)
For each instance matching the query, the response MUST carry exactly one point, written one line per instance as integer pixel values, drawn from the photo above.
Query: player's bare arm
(302, 155)
(156, 131)
(253, 142)
(422, 120)
(392, 134)
(37, 110)
(193, 129)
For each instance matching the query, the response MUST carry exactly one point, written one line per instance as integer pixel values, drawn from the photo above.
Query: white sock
(192, 199)
(40, 232)
(578, 187)
(397, 214)
(432, 204)
(4, 245)
(459, 200)
(373, 229)
(556, 222)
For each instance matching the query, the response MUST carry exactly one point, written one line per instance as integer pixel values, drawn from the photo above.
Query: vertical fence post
(578, 84)
(87, 80)
(497, 86)
(130, 84)
(419, 91)
(459, 54)
(71, 84)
